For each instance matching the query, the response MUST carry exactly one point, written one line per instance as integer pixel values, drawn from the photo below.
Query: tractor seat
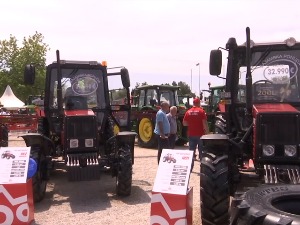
(76, 102)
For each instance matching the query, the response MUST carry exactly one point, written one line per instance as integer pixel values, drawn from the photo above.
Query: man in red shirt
(195, 119)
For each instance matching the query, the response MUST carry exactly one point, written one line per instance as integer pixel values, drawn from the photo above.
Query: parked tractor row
(255, 117)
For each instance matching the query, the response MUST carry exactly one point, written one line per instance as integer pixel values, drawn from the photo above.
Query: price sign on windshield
(279, 74)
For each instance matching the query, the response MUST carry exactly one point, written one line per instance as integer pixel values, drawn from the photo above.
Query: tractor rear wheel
(4, 135)
(124, 176)
(146, 135)
(214, 189)
(268, 205)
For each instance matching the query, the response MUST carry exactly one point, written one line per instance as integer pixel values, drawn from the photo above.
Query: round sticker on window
(85, 84)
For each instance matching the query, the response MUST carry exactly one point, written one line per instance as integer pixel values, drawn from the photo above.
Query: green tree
(137, 84)
(184, 88)
(13, 59)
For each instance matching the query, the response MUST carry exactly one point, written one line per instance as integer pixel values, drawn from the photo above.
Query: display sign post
(172, 199)
(16, 197)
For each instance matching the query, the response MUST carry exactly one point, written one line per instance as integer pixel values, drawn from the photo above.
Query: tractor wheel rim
(145, 130)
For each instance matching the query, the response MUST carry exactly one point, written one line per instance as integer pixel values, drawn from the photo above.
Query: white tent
(9, 100)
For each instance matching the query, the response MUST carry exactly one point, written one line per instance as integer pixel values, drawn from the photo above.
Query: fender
(36, 139)
(219, 142)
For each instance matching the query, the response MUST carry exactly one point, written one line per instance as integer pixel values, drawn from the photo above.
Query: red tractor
(77, 123)
(265, 130)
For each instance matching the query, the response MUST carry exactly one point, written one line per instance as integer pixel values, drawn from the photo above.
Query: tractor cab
(153, 95)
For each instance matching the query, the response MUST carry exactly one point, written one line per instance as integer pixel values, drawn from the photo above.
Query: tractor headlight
(290, 150)
(89, 143)
(73, 143)
(268, 150)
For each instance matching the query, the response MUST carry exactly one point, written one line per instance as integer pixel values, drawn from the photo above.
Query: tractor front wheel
(146, 136)
(214, 189)
(124, 172)
(40, 180)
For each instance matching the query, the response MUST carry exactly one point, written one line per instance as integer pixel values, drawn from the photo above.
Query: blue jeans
(195, 141)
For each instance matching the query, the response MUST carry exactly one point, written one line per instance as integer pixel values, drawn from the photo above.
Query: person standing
(196, 120)
(173, 126)
(162, 128)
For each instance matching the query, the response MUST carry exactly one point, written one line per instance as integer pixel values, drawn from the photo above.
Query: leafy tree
(137, 84)
(184, 88)
(13, 59)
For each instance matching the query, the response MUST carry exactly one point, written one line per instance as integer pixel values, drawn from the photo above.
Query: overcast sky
(159, 41)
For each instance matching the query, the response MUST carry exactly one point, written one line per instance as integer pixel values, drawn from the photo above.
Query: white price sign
(14, 164)
(279, 74)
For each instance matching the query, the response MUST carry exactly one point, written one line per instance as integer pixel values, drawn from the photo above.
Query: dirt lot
(95, 202)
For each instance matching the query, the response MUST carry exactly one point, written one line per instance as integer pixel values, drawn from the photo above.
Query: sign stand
(16, 196)
(172, 200)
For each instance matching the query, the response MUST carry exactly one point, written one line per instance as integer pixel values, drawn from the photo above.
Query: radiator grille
(81, 127)
(279, 129)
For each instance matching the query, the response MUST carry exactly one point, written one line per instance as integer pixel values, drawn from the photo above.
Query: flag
(197, 64)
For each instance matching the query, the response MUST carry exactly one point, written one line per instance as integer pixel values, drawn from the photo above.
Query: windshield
(169, 96)
(275, 76)
(83, 87)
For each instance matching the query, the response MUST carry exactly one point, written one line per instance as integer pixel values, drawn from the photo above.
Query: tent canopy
(9, 100)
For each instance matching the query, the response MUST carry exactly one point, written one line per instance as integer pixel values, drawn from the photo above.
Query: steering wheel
(262, 81)
(267, 97)
(78, 104)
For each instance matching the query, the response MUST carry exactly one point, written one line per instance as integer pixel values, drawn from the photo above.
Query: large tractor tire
(146, 135)
(40, 179)
(4, 136)
(220, 125)
(214, 189)
(124, 172)
(268, 205)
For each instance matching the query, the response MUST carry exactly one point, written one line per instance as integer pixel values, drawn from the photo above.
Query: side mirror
(29, 74)
(215, 62)
(125, 78)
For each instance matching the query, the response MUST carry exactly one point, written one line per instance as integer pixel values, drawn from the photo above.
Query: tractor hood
(85, 112)
(273, 108)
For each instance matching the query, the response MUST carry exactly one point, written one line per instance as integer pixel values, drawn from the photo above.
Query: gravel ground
(95, 202)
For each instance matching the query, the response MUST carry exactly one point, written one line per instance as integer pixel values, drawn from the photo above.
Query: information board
(173, 171)
(14, 164)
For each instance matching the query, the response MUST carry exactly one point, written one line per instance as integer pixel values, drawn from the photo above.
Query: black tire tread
(39, 183)
(220, 125)
(124, 177)
(252, 208)
(214, 189)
